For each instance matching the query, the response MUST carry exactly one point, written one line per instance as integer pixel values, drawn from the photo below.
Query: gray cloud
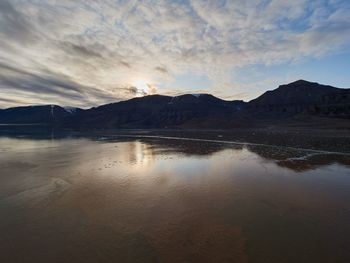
(55, 87)
(14, 25)
(79, 50)
(9, 102)
(161, 69)
(125, 64)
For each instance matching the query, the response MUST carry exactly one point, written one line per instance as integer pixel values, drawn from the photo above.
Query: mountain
(157, 111)
(298, 100)
(46, 114)
(302, 97)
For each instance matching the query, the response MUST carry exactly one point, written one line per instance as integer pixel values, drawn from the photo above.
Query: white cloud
(103, 47)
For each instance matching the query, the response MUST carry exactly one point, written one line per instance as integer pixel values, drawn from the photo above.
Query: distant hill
(46, 114)
(296, 100)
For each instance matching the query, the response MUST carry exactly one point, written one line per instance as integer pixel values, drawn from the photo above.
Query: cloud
(161, 69)
(14, 25)
(90, 52)
(47, 88)
(10, 102)
(77, 50)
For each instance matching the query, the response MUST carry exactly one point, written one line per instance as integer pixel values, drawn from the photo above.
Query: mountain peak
(301, 83)
(300, 92)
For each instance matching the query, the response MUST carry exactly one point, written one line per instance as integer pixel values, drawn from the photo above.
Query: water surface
(142, 199)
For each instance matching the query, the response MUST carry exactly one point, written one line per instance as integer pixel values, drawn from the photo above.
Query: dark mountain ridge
(41, 114)
(298, 92)
(156, 111)
(287, 102)
(302, 97)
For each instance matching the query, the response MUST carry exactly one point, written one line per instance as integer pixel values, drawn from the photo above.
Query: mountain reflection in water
(128, 199)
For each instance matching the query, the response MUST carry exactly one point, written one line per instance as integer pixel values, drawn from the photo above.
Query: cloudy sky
(86, 53)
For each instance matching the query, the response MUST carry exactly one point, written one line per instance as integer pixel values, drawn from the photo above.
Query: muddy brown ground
(121, 198)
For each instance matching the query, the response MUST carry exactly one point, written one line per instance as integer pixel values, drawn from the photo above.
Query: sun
(144, 87)
(141, 85)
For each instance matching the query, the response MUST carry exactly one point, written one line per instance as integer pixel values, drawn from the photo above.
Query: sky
(87, 53)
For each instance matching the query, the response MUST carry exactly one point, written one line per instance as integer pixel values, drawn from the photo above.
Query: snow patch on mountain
(70, 109)
(197, 95)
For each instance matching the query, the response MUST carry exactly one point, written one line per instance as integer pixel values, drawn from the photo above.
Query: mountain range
(297, 100)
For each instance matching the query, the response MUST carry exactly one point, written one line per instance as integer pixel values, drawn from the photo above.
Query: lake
(139, 198)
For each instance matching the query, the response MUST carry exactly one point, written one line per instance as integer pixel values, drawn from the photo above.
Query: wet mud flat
(149, 197)
(317, 138)
(334, 140)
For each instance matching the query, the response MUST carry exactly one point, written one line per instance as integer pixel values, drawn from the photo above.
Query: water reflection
(295, 159)
(127, 199)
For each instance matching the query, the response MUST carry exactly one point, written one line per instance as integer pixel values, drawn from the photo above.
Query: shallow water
(137, 199)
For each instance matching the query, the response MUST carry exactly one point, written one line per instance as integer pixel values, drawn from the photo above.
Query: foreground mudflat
(128, 198)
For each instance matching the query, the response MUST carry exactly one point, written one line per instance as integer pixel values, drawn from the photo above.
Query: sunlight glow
(141, 85)
(144, 87)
